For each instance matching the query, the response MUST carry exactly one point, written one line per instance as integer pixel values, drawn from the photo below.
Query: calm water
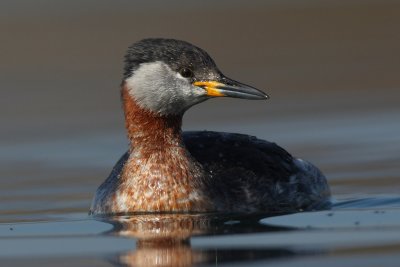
(44, 221)
(331, 70)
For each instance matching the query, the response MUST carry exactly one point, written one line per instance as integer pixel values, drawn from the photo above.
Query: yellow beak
(230, 88)
(210, 87)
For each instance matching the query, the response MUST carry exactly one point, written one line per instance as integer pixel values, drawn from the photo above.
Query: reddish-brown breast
(160, 174)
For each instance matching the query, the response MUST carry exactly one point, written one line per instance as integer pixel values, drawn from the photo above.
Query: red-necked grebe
(166, 170)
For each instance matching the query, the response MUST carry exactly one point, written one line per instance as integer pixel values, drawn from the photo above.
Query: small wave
(381, 202)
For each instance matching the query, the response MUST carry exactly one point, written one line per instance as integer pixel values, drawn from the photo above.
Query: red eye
(186, 73)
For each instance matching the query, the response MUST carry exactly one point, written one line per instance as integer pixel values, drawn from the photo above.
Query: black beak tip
(262, 95)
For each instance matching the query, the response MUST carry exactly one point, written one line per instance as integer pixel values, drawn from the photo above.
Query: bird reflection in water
(164, 240)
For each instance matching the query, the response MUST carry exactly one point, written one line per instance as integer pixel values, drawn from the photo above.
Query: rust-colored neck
(148, 129)
(160, 174)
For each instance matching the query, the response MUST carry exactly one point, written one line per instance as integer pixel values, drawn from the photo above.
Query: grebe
(166, 170)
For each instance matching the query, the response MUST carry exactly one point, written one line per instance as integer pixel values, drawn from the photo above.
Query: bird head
(168, 76)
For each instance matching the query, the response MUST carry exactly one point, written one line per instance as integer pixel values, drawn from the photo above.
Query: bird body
(166, 170)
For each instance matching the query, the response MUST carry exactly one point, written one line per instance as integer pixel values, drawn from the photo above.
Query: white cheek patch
(156, 87)
(148, 86)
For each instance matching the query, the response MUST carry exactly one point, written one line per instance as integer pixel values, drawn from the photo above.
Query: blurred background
(331, 68)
